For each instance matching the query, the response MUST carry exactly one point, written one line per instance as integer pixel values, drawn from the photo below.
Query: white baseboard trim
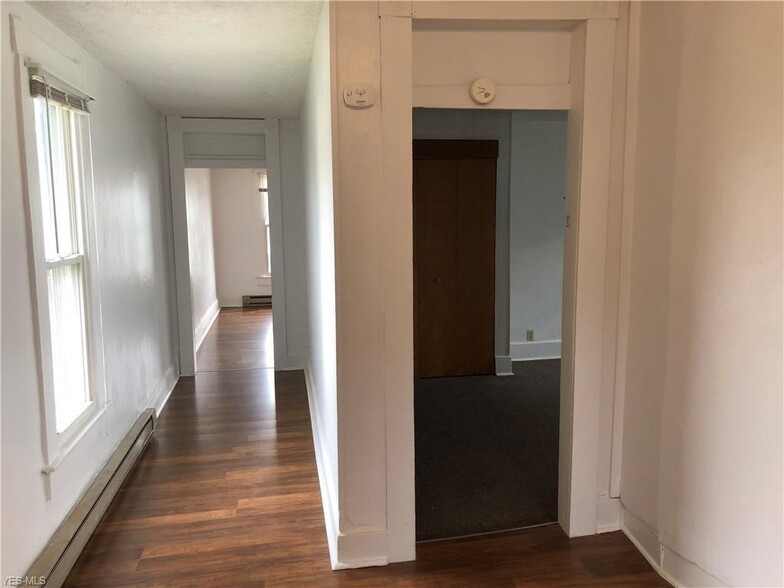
(362, 548)
(608, 514)
(205, 324)
(326, 483)
(671, 566)
(529, 350)
(160, 396)
(503, 365)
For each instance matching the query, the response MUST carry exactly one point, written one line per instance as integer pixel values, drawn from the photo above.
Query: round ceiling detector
(482, 91)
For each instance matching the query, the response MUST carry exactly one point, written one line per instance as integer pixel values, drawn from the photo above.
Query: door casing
(228, 148)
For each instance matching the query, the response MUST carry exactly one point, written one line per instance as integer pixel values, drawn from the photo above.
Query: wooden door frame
(590, 93)
(269, 129)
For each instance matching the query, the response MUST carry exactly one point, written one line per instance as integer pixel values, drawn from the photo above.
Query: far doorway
(488, 204)
(230, 268)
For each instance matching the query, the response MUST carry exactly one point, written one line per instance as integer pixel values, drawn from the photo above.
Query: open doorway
(212, 147)
(230, 262)
(488, 203)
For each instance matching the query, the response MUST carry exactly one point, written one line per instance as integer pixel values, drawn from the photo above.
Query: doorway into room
(241, 160)
(230, 268)
(488, 203)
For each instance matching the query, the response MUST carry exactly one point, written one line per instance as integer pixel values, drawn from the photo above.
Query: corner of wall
(206, 321)
(671, 566)
(160, 396)
(608, 514)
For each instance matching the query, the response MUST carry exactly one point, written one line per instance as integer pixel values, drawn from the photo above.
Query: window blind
(56, 91)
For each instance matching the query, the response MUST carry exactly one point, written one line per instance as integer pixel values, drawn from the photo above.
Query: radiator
(59, 556)
(259, 301)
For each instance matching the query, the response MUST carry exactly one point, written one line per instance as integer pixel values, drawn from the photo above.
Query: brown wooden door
(454, 257)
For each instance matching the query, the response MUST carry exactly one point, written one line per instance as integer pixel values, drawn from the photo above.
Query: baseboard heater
(263, 301)
(59, 556)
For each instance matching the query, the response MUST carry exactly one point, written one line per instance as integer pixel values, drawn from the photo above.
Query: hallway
(227, 494)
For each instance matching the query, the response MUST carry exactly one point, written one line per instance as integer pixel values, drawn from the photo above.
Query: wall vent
(262, 301)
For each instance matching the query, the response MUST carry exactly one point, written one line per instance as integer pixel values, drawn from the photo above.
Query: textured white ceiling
(222, 59)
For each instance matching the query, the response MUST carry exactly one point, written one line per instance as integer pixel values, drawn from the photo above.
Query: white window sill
(56, 460)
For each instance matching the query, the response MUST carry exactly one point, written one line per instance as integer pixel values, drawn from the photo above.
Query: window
(60, 182)
(264, 191)
(61, 204)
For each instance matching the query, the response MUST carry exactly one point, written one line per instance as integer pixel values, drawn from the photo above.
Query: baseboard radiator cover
(257, 301)
(60, 554)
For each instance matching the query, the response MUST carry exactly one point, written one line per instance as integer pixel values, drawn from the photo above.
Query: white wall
(198, 195)
(536, 233)
(321, 363)
(702, 447)
(238, 235)
(530, 68)
(133, 238)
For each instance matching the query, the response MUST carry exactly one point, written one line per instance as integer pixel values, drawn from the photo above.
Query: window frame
(58, 445)
(266, 221)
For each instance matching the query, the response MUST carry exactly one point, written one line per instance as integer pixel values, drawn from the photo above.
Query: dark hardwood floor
(240, 339)
(227, 495)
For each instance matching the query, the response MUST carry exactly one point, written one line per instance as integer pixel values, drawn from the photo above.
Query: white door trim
(177, 127)
(589, 160)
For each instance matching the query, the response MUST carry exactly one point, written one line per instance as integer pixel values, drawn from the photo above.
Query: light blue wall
(537, 188)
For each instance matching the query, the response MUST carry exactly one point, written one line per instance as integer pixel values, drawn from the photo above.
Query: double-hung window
(62, 227)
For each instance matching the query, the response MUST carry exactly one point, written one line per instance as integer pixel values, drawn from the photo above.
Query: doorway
(488, 198)
(215, 145)
(230, 268)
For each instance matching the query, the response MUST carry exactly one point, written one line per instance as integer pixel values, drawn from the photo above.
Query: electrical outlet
(529, 335)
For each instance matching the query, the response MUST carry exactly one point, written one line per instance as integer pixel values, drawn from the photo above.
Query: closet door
(454, 257)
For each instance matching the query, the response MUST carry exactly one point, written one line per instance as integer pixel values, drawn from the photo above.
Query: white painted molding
(160, 396)
(503, 365)
(397, 269)
(500, 11)
(327, 485)
(357, 548)
(608, 514)
(671, 566)
(215, 163)
(362, 548)
(269, 128)
(509, 97)
(625, 258)
(39, 51)
(227, 125)
(205, 323)
(530, 350)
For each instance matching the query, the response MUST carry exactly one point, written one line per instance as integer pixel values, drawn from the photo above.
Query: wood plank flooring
(227, 495)
(240, 339)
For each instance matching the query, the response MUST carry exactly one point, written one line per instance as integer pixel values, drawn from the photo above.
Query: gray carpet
(487, 451)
